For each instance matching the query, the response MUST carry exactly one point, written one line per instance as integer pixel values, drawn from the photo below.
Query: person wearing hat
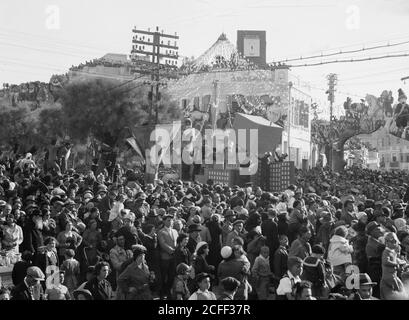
(24, 290)
(365, 289)
(401, 110)
(235, 233)
(203, 293)
(167, 241)
(227, 225)
(32, 234)
(314, 271)
(374, 249)
(391, 287)
(104, 206)
(180, 290)
(194, 236)
(349, 211)
(135, 281)
(128, 230)
(200, 259)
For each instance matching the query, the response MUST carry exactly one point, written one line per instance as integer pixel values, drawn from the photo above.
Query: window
(407, 157)
(185, 103)
(394, 158)
(401, 157)
(196, 103)
(205, 102)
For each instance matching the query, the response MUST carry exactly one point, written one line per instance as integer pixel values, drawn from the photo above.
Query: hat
(326, 185)
(168, 215)
(402, 94)
(197, 219)
(138, 249)
(36, 273)
(372, 226)
(311, 189)
(59, 203)
(172, 209)
(361, 214)
(226, 252)
(69, 202)
(182, 268)
(318, 249)
(237, 222)
(2, 203)
(194, 227)
(349, 198)
(31, 198)
(85, 292)
(229, 213)
(31, 206)
(365, 280)
(202, 276)
(152, 213)
(199, 245)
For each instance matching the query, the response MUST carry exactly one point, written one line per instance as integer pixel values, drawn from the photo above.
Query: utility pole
(161, 55)
(290, 105)
(332, 81)
(404, 79)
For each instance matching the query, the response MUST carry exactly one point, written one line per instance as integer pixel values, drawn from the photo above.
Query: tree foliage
(17, 126)
(103, 109)
(51, 123)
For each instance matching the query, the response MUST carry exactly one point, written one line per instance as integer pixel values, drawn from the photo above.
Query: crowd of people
(111, 236)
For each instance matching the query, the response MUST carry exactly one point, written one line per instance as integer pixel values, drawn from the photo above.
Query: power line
(402, 36)
(374, 74)
(344, 52)
(349, 60)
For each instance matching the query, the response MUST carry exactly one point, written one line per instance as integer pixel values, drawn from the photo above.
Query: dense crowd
(111, 236)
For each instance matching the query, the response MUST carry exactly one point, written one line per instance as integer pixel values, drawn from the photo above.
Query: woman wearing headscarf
(135, 281)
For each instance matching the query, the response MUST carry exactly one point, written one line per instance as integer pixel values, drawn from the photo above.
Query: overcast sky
(34, 43)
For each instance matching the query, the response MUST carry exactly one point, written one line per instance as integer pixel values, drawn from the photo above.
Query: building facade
(217, 93)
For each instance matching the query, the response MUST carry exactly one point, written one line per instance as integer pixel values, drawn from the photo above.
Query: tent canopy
(269, 134)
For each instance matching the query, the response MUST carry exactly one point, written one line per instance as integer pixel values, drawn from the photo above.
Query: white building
(219, 91)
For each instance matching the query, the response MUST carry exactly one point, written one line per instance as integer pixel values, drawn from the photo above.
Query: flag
(134, 145)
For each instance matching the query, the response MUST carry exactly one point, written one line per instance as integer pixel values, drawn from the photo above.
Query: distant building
(110, 66)
(222, 85)
(393, 152)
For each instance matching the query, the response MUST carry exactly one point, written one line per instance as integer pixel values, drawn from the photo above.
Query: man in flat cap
(25, 289)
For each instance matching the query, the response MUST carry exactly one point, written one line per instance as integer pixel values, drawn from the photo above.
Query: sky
(44, 37)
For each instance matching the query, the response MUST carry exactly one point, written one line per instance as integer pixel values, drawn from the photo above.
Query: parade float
(222, 91)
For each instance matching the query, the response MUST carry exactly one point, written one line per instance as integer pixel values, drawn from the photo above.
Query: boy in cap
(203, 293)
